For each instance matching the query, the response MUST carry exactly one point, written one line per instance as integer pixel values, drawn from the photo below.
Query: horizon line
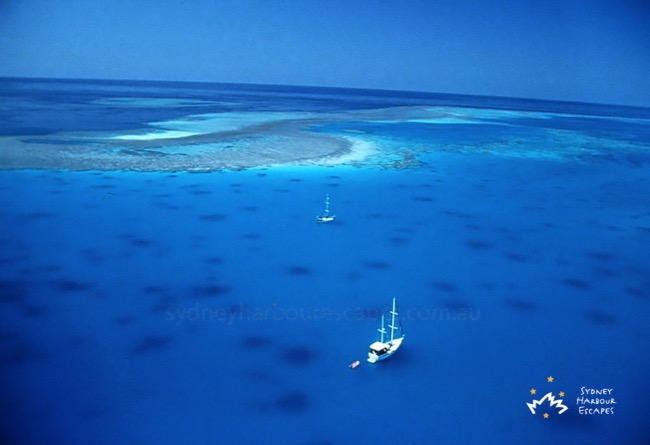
(283, 85)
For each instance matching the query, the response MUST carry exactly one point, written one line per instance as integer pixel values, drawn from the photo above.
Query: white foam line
(155, 135)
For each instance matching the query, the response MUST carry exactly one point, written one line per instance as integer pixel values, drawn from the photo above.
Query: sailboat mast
(392, 326)
(382, 331)
(327, 204)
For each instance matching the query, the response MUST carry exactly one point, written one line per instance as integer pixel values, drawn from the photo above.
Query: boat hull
(393, 346)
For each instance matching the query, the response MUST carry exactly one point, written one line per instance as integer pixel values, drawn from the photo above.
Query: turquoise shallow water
(211, 308)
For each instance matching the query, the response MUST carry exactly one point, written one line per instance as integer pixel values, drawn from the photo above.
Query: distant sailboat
(381, 350)
(326, 216)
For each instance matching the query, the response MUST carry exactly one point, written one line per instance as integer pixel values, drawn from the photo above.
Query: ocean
(150, 294)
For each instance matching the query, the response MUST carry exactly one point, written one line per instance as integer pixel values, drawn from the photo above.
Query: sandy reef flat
(171, 156)
(208, 143)
(241, 140)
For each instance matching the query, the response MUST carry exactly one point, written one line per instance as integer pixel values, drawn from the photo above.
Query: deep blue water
(44, 106)
(210, 308)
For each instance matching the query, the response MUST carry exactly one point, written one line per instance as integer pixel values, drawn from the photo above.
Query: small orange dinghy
(354, 364)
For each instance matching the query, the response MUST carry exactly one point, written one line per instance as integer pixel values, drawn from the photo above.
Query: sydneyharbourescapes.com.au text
(242, 313)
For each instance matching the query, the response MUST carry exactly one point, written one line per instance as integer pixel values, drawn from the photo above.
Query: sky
(575, 50)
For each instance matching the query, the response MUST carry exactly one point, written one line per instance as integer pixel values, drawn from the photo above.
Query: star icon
(533, 391)
(550, 379)
(546, 415)
(561, 393)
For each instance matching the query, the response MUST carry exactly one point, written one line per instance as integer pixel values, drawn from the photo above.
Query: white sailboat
(381, 349)
(326, 216)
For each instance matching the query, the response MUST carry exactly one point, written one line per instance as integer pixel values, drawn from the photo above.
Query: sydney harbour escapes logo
(589, 401)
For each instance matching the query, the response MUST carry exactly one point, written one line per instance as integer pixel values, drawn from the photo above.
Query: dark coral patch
(153, 289)
(376, 265)
(605, 272)
(35, 311)
(212, 217)
(487, 285)
(166, 206)
(151, 343)
(353, 276)
(293, 402)
(255, 342)
(297, 356)
(455, 303)
(298, 271)
(20, 354)
(260, 376)
(399, 241)
(576, 283)
(213, 290)
(49, 268)
(71, 286)
(458, 214)
(516, 257)
(8, 337)
(520, 305)
(200, 192)
(160, 307)
(249, 236)
(478, 245)
(12, 291)
(93, 257)
(140, 242)
(124, 320)
(601, 317)
(234, 311)
(445, 286)
(638, 292)
(214, 260)
(103, 186)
